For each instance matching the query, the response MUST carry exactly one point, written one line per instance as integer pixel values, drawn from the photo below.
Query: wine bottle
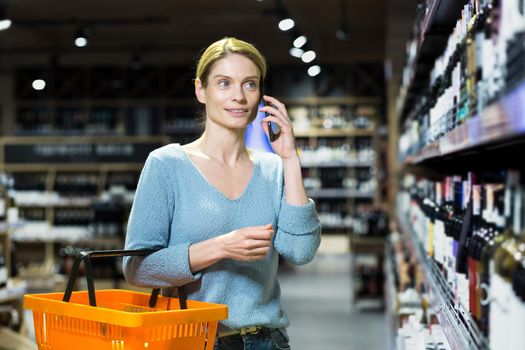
(505, 304)
(3, 268)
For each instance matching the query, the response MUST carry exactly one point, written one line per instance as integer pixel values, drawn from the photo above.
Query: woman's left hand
(284, 145)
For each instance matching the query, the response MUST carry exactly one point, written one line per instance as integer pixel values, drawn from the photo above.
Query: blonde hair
(223, 48)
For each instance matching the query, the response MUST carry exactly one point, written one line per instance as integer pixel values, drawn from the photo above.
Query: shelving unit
(459, 327)
(61, 182)
(451, 128)
(502, 123)
(337, 140)
(438, 20)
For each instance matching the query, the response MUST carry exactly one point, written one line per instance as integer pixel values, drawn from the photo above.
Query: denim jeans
(267, 339)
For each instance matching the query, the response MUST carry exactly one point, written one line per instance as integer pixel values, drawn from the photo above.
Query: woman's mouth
(237, 111)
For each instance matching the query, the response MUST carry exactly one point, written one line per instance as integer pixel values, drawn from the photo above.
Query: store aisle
(317, 299)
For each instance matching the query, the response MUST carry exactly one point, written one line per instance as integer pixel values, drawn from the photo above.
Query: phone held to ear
(273, 130)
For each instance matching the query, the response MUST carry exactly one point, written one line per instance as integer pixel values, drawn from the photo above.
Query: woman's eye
(224, 83)
(251, 85)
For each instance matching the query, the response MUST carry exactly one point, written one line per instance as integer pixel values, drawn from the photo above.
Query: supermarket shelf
(337, 164)
(65, 204)
(15, 290)
(174, 129)
(332, 226)
(440, 14)
(4, 227)
(316, 100)
(499, 124)
(343, 132)
(437, 25)
(391, 293)
(459, 327)
(339, 193)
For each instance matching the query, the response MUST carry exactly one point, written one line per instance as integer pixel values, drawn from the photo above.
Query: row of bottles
(73, 216)
(4, 274)
(361, 180)
(331, 117)
(113, 120)
(472, 226)
(76, 184)
(482, 61)
(336, 151)
(96, 121)
(127, 179)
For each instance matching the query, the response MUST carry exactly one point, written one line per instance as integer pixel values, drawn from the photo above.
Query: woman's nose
(238, 94)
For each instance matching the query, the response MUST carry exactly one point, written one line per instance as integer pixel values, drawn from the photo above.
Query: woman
(221, 213)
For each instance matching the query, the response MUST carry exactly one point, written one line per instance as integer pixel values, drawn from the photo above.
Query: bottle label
(476, 199)
(473, 279)
(3, 275)
(501, 303)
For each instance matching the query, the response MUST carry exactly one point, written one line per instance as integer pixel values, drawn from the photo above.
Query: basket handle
(86, 258)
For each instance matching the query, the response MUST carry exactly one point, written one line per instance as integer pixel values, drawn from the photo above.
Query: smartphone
(273, 129)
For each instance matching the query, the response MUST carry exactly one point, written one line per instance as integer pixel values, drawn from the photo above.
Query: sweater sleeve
(298, 228)
(149, 227)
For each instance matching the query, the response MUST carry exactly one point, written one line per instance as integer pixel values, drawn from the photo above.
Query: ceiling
(175, 31)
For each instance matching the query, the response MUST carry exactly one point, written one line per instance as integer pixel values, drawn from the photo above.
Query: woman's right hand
(247, 244)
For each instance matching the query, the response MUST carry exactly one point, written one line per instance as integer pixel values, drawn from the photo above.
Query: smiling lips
(237, 111)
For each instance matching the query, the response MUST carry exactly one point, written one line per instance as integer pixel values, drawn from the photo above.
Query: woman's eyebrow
(228, 77)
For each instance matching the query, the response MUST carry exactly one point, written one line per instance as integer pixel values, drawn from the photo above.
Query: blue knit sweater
(175, 206)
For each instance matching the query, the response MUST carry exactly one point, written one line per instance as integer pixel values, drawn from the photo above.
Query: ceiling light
(5, 24)
(295, 52)
(286, 24)
(314, 70)
(308, 56)
(299, 42)
(39, 84)
(342, 32)
(81, 38)
(80, 42)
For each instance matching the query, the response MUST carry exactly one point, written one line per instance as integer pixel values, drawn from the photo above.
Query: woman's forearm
(294, 191)
(204, 254)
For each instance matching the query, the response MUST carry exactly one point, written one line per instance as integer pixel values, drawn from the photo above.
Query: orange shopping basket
(121, 319)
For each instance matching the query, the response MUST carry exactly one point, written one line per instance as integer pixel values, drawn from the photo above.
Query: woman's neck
(227, 149)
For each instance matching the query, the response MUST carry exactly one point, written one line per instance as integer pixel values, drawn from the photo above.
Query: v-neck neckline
(215, 189)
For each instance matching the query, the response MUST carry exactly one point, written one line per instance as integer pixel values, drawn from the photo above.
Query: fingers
(277, 104)
(257, 254)
(260, 235)
(250, 243)
(276, 108)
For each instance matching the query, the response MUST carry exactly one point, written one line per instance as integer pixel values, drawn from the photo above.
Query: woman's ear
(199, 91)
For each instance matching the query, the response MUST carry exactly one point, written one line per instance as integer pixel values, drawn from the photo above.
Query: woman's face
(232, 94)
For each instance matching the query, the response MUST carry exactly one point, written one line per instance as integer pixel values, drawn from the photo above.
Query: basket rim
(51, 303)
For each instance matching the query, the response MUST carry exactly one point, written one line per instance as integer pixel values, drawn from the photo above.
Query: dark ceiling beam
(92, 21)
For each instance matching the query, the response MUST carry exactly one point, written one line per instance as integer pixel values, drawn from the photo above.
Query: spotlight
(314, 70)
(286, 24)
(295, 52)
(81, 38)
(39, 84)
(308, 56)
(342, 32)
(5, 24)
(299, 42)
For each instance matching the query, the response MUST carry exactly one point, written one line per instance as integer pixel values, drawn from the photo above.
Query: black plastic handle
(86, 258)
